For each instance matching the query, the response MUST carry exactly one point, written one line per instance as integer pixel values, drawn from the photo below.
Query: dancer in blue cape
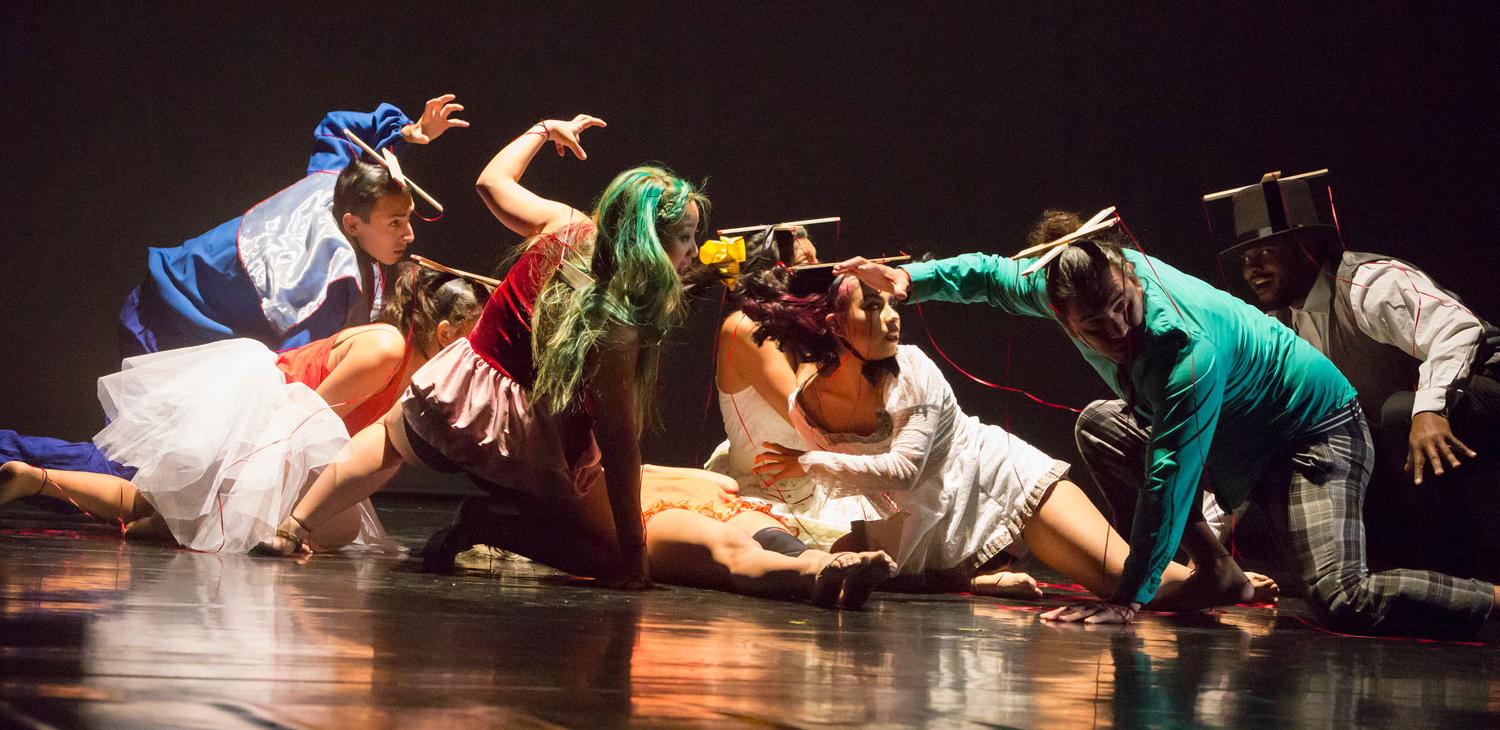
(299, 265)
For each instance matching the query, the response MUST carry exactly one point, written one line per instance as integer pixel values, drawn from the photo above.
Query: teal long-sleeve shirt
(1223, 386)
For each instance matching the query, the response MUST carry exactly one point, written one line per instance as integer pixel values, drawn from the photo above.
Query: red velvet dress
(471, 403)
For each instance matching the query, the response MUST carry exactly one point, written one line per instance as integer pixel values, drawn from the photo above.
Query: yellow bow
(726, 255)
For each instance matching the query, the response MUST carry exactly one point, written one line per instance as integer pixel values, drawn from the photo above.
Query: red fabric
(308, 365)
(503, 334)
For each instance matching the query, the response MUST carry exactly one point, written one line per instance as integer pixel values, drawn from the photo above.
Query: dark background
(941, 128)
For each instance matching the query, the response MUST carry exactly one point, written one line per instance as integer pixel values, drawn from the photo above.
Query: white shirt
(1397, 305)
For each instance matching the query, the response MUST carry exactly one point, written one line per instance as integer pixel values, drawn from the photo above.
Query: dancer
(754, 381)
(1182, 354)
(883, 421)
(300, 265)
(544, 403)
(223, 437)
(1121, 496)
(700, 534)
(1425, 366)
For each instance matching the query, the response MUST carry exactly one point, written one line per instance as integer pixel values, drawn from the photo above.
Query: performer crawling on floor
(299, 265)
(1208, 382)
(543, 404)
(222, 438)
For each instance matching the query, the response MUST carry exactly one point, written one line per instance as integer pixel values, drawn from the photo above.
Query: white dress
(965, 489)
(223, 445)
(819, 517)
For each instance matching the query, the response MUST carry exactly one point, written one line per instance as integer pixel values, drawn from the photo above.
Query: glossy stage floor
(95, 632)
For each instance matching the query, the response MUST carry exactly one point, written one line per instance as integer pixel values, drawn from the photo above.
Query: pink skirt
(484, 423)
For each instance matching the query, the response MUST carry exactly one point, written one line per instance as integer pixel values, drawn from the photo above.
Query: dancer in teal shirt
(1217, 386)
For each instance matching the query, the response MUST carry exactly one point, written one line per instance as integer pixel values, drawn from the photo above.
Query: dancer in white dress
(882, 421)
(226, 436)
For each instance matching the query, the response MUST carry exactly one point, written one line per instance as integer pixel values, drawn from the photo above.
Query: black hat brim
(1277, 237)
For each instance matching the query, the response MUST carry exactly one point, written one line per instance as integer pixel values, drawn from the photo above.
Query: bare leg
(691, 549)
(104, 496)
(1068, 533)
(688, 548)
(363, 466)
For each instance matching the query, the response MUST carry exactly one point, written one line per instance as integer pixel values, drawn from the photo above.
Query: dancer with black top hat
(1425, 366)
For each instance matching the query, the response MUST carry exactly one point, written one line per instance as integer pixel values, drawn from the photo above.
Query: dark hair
(360, 184)
(762, 275)
(1083, 274)
(1052, 224)
(422, 297)
(798, 324)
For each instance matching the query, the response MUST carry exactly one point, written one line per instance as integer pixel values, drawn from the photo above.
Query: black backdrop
(941, 128)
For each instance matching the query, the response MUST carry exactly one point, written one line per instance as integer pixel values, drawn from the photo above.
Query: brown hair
(421, 298)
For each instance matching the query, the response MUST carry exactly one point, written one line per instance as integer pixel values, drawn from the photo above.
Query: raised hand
(437, 117)
(564, 135)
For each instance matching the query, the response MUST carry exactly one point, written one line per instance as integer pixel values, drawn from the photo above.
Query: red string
(400, 368)
(766, 482)
(1404, 639)
(921, 316)
(47, 477)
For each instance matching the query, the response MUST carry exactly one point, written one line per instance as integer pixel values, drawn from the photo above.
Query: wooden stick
(1226, 193)
(886, 260)
(403, 178)
(429, 263)
(1071, 237)
(780, 226)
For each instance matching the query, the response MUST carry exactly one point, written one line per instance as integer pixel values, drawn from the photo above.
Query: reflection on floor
(98, 633)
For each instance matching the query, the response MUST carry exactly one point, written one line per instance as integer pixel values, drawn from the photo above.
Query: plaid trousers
(1313, 496)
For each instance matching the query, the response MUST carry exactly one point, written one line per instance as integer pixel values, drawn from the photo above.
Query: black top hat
(1270, 211)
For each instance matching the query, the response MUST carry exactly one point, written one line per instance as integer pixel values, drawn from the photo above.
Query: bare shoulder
(378, 341)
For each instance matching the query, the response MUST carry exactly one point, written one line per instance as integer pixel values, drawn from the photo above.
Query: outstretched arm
(970, 278)
(384, 127)
(500, 187)
(612, 383)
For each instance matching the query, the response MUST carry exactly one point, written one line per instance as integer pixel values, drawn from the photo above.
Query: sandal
(286, 543)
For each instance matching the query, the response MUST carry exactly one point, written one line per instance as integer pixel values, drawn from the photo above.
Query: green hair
(633, 285)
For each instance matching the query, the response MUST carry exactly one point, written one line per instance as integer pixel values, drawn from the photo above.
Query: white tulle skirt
(223, 445)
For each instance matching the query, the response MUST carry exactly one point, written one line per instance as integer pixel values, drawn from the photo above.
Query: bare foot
(874, 569)
(1005, 584)
(18, 479)
(1223, 584)
(865, 570)
(1265, 589)
(151, 528)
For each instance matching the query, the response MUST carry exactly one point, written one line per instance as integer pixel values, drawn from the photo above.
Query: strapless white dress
(819, 517)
